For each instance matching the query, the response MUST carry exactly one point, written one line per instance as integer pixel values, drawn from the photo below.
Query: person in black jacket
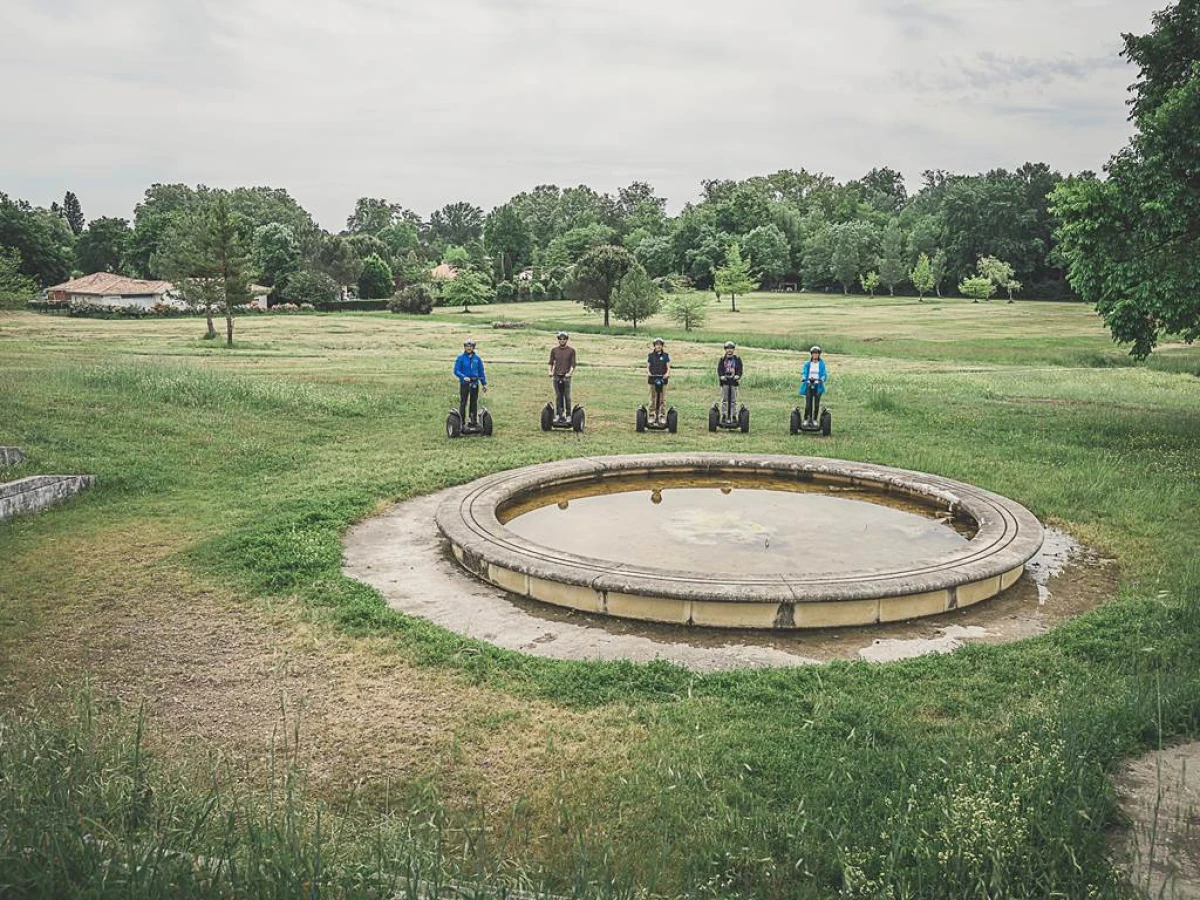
(658, 373)
(729, 373)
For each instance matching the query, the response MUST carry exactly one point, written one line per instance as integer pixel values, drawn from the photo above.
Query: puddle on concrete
(752, 526)
(402, 554)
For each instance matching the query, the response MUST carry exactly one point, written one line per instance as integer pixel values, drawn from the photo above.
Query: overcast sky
(429, 101)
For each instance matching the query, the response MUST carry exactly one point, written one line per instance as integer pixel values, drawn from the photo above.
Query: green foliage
(337, 259)
(734, 277)
(999, 273)
(456, 256)
(852, 251)
(688, 309)
(1132, 241)
(400, 239)
(922, 275)
(571, 245)
(537, 291)
(415, 299)
(655, 254)
(456, 223)
(506, 292)
(597, 275)
(375, 281)
(468, 288)
(16, 288)
(893, 268)
(103, 246)
(41, 238)
(636, 297)
(373, 215)
(506, 237)
(768, 252)
(870, 282)
(276, 253)
(309, 286)
(978, 287)
(72, 213)
(938, 270)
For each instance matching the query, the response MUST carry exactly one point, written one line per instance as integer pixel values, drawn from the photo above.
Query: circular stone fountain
(780, 542)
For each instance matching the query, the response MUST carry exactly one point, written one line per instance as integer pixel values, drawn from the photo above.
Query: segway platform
(718, 420)
(823, 426)
(643, 422)
(481, 427)
(551, 422)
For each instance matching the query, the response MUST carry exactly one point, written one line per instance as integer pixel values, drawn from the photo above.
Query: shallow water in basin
(725, 527)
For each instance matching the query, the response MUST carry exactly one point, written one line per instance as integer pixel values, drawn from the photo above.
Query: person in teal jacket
(468, 369)
(812, 385)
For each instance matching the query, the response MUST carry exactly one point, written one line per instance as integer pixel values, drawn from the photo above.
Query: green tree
(506, 237)
(375, 280)
(1000, 274)
(42, 239)
(416, 299)
(468, 288)
(456, 223)
(597, 275)
(309, 286)
(569, 246)
(636, 297)
(938, 269)
(103, 246)
(922, 276)
(977, 287)
(72, 213)
(655, 254)
(506, 292)
(892, 266)
(205, 254)
(734, 277)
(688, 309)
(401, 239)
(870, 282)
(16, 288)
(853, 251)
(337, 259)
(456, 256)
(153, 218)
(1132, 241)
(372, 215)
(769, 253)
(276, 253)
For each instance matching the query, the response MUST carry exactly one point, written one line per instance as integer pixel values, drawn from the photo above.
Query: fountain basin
(996, 537)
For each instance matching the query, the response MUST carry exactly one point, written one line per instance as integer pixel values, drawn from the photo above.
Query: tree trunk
(229, 328)
(605, 315)
(212, 329)
(733, 302)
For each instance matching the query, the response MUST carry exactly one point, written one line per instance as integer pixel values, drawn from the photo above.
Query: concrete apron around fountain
(404, 557)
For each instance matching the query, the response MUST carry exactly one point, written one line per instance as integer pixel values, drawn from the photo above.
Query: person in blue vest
(812, 385)
(468, 369)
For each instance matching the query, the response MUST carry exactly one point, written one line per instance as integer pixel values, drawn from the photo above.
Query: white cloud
(429, 101)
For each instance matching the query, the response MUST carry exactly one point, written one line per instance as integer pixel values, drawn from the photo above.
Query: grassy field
(194, 700)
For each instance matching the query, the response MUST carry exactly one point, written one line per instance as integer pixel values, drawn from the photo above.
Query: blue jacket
(469, 366)
(820, 377)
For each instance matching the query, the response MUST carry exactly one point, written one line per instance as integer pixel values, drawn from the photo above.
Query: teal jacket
(821, 376)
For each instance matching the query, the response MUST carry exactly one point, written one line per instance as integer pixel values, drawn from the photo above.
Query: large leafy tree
(337, 259)
(456, 223)
(468, 288)
(769, 253)
(506, 237)
(276, 253)
(893, 268)
(152, 219)
(372, 215)
(103, 246)
(41, 238)
(1132, 242)
(597, 274)
(852, 246)
(375, 279)
(734, 277)
(16, 288)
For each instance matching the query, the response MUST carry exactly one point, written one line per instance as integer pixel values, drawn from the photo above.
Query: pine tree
(734, 277)
(72, 212)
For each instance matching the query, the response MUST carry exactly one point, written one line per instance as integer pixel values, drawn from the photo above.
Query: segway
(481, 425)
(823, 425)
(644, 423)
(721, 414)
(551, 421)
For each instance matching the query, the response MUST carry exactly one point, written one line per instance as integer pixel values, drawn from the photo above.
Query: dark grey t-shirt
(562, 359)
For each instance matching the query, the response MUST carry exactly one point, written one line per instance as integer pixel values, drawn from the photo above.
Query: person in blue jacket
(468, 369)
(812, 385)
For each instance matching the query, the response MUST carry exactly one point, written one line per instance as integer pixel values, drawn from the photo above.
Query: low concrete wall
(37, 492)
(10, 456)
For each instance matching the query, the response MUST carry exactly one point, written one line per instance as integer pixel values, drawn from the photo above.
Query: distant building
(525, 274)
(443, 272)
(258, 295)
(106, 289)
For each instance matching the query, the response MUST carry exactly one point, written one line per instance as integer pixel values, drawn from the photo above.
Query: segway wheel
(672, 420)
(714, 416)
(547, 417)
(642, 419)
(485, 423)
(744, 419)
(453, 424)
(826, 423)
(577, 419)
(795, 423)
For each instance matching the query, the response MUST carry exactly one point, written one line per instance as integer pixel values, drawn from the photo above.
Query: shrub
(375, 281)
(416, 299)
(309, 287)
(537, 291)
(977, 288)
(505, 292)
(554, 290)
(523, 292)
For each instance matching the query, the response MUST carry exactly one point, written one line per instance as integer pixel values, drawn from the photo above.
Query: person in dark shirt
(658, 372)
(562, 367)
(468, 369)
(729, 373)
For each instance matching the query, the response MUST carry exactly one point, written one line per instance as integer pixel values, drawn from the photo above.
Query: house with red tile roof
(106, 289)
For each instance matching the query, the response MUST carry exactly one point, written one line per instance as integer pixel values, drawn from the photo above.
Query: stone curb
(37, 492)
(10, 456)
(1008, 536)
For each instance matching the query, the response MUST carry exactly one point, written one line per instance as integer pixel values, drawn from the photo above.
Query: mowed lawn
(199, 584)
